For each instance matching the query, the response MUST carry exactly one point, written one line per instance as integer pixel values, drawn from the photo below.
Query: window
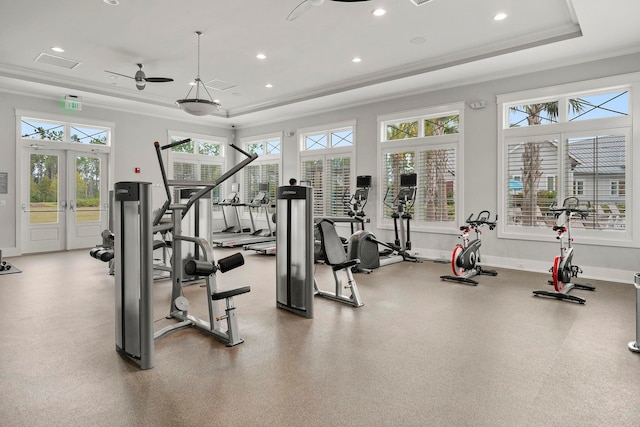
(574, 143)
(265, 169)
(200, 159)
(426, 143)
(61, 131)
(326, 161)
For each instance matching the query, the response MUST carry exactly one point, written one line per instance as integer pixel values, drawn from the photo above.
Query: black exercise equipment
(563, 271)
(206, 268)
(363, 245)
(465, 259)
(335, 256)
(104, 252)
(355, 203)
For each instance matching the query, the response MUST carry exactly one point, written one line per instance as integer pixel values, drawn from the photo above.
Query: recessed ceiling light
(113, 77)
(217, 101)
(261, 56)
(499, 16)
(192, 83)
(356, 59)
(417, 40)
(268, 85)
(57, 49)
(378, 12)
(111, 2)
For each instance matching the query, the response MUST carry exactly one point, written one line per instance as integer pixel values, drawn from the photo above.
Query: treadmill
(233, 201)
(261, 202)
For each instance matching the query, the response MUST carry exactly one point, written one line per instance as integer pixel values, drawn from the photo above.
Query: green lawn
(47, 212)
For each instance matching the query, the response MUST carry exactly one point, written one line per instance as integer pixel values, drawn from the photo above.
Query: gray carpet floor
(420, 352)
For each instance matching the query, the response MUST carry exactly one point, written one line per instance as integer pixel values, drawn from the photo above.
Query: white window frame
(197, 159)
(422, 143)
(564, 130)
(329, 152)
(265, 159)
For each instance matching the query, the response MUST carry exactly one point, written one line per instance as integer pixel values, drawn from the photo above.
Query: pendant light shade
(198, 106)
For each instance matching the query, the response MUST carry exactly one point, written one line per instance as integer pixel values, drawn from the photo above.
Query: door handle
(63, 204)
(72, 205)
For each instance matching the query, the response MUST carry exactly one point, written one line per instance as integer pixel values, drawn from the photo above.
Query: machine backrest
(331, 243)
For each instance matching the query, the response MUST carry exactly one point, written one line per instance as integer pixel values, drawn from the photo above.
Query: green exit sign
(73, 103)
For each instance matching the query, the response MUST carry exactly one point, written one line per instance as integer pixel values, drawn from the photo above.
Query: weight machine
(134, 224)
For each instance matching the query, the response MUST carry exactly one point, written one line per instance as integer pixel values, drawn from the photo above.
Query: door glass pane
(87, 189)
(43, 190)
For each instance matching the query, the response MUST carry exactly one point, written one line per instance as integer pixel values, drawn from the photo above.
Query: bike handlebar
(482, 219)
(570, 205)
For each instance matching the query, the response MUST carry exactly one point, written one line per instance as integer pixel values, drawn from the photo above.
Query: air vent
(219, 85)
(420, 2)
(58, 61)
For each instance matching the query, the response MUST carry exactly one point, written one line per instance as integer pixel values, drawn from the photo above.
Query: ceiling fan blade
(158, 79)
(118, 74)
(299, 10)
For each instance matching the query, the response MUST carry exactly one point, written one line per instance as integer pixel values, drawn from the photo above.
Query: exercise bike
(563, 271)
(363, 245)
(465, 258)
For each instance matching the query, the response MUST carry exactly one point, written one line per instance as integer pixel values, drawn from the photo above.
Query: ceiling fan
(141, 79)
(306, 4)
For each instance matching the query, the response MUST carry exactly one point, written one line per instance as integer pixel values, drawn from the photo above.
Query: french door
(64, 199)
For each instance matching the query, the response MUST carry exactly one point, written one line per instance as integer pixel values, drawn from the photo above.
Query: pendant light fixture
(198, 106)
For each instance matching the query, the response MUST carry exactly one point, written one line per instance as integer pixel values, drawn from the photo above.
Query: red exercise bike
(563, 271)
(465, 259)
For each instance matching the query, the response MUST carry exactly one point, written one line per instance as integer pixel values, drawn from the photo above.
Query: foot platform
(460, 279)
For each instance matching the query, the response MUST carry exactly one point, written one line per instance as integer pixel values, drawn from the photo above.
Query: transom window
(574, 108)
(197, 146)
(328, 139)
(59, 131)
(419, 127)
(200, 159)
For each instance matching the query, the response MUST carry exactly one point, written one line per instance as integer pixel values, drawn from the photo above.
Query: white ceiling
(308, 60)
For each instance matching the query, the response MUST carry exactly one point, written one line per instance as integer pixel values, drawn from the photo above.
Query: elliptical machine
(563, 271)
(354, 204)
(465, 259)
(363, 245)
